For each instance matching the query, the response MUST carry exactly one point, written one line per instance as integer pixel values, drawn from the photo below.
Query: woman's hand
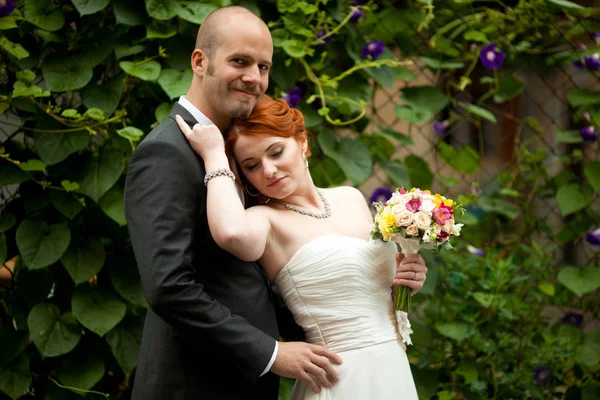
(411, 271)
(206, 140)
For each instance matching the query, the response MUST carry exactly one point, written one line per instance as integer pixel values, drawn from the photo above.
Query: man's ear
(199, 62)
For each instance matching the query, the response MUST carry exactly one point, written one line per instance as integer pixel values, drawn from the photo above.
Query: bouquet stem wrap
(407, 246)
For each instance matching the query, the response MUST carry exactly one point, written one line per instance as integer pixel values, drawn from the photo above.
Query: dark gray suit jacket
(211, 327)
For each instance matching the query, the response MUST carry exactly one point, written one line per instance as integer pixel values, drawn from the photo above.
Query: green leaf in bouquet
(418, 171)
(592, 173)
(84, 259)
(144, 70)
(574, 197)
(53, 334)
(455, 330)
(464, 159)
(162, 9)
(15, 378)
(509, 87)
(41, 244)
(583, 97)
(396, 172)
(98, 310)
(86, 7)
(425, 98)
(580, 280)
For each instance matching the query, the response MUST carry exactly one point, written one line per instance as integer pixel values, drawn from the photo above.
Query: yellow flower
(387, 220)
(439, 199)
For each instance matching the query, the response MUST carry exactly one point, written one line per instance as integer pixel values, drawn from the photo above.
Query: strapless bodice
(339, 290)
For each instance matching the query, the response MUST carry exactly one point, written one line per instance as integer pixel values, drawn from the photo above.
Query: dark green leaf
(419, 172)
(478, 111)
(99, 174)
(424, 98)
(86, 7)
(84, 259)
(65, 202)
(145, 70)
(455, 330)
(124, 341)
(574, 197)
(65, 73)
(464, 159)
(396, 172)
(400, 137)
(53, 334)
(80, 373)
(499, 206)
(112, 204)
(592, 173)
(125, 13)
(10, 174)
(583, 97)
(175, 83)
(568, 137)
(580, 280)
(44, 14)
(13, 48)
(105, 97)
(412, 115)
(162, 9)
(97, 310)
(15, 378)
(195, 12)
(55, 147)
(41, 244)
(509, 87)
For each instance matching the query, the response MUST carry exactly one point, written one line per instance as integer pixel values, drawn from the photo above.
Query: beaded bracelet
(218, 172)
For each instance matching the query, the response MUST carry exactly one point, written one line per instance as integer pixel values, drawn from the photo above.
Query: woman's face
(274, 165)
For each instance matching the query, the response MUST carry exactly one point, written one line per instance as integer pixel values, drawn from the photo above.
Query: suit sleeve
(162, 210)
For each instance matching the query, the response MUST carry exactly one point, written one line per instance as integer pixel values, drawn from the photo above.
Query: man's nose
(252, 75)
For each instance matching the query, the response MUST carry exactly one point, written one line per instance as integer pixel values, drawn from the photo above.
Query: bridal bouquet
(415, 219)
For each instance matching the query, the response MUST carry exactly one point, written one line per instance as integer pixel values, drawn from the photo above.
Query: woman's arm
(241, 232)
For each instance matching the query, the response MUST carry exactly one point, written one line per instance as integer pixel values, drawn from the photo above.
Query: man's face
(238, 73)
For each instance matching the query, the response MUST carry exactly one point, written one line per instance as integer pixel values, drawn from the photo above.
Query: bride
(314, 245)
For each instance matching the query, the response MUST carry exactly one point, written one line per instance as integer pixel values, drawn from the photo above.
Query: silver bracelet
(218, 172)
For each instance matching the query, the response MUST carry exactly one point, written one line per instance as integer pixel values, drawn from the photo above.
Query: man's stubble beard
(245, 108)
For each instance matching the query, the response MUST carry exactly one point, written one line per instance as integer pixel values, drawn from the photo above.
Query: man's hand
(310, 363)
(410, 271)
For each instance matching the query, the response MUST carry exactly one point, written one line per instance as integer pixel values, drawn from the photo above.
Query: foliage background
(83, 80)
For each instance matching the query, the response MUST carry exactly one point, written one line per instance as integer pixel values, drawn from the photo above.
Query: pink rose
(405, 218)
(412, 230)
(422, 220)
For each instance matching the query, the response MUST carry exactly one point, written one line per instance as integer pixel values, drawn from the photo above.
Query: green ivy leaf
(53, 334)
(162, 111)
(379, 146)
(568, 137)
(65, 202)
(95, 113)
(8, 22)
(10, 174)
(126, 14)
(569, 5)
(131, 133)
(174, 82)
(112, 204)
(13, 48)
(100, 173)
(580, 280)
(123, 50)
(21, 89)
(86, 7)
(583, 97)
(409, 114)
(63, 74)
(69, 186)
(7, 221)
(478, 111)
(105, 97)
(295, 48)
(33, 165)
(405, 74)
(195, 12)
(71, 113)
(400, 137)
(419, 172)
(509, 87)
(455, 330)
(15, 378)
(146, 71)
(55, 147)
(84, 259)
(396, 172)
(574, 197)
(41, 244)
(125, 341)
(126, 281)
(160, 30)
(437, 64)
(592, 173)
(424, 98)
(81, 372)
(162, 9)
(351, 155)
(589, 352)
(464, 159)
(44, 14)
(499, 206)
(476, 36)
(99, 311)
(547, 288)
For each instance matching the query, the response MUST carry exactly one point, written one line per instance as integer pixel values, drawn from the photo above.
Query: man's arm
(162, 207)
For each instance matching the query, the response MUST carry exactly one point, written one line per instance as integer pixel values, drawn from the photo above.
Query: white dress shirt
(203, 120)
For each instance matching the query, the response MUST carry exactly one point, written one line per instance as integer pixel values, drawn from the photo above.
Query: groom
(211, 329)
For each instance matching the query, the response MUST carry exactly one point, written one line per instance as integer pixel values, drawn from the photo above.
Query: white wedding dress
(339, 290)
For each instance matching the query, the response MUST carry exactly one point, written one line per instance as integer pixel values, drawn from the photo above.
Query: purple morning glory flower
(588, 134)
(372, 50)
(6, 7)
(596, 37)
(578, 64)
(293, 96)
(382, 194)
(587, 116)
(475, 251)
(591, 62)
(356, 16)
(440, 127)
(490, 57)
(593, 237)
(320, 34)
(572, 318)
(542, 375)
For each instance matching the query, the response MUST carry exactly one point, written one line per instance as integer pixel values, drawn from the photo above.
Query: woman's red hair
(270, 117)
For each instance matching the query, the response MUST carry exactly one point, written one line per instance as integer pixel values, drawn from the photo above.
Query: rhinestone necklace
(325, 214)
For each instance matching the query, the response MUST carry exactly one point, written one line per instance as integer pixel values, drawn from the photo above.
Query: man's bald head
(209, 34)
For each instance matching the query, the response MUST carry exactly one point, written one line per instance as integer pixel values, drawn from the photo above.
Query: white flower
(398, 208)
(422, 220)
(412, 230)
(456, 229)
(395, 199)
(427, 205)
(404, 218)
(448, 225)
(437, 229)
(427, 236)
(404, 327)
